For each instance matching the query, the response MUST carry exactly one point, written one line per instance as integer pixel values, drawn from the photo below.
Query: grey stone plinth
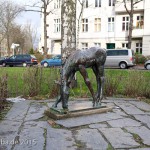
(85, 120)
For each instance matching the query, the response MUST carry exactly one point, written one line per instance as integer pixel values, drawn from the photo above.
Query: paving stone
(129, 108)
(85, 120)
(141, 105)
(60, 139)
(141, 149)
(118, 138)
(31, 137)
(118, 111)
(144, 119)
(40, 124)
(125, 100)
(50, 104)
(98, 125)
(8, 132)
(143, 132)
(18, 111)
(92, 139)
(123, 123)
(36, 111)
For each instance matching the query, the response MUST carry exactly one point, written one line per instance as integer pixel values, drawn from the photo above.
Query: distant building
(103, 24)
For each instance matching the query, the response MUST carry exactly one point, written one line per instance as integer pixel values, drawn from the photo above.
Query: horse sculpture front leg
(101, 76)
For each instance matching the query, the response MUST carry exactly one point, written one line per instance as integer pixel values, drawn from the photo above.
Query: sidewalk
(126, 128)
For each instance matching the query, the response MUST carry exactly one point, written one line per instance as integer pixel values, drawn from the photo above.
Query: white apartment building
(103, 23)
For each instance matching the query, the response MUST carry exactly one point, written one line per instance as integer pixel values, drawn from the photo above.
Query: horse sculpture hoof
(54, 106)
(65, 111)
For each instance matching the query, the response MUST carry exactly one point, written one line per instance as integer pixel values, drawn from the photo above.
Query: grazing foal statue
(79, 60)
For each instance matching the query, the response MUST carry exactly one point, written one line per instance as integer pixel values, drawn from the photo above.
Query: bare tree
(42, 7)
(24, 36)
(30, 36)
(130, 11)
(17, 36)
(8, 15)
(2, 32)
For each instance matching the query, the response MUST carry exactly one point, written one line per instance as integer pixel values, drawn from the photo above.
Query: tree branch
(137, 2)
(34, 10)
(125, 5)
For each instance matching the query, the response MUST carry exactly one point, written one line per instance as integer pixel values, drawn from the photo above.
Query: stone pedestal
(77, 109)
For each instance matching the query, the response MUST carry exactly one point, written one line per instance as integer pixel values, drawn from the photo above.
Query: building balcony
(119, 7)
(137, 32)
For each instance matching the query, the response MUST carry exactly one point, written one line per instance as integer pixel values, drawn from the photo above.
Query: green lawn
(34, 81)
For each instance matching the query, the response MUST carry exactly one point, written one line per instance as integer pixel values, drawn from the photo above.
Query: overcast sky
(33, 17)
(29, 17)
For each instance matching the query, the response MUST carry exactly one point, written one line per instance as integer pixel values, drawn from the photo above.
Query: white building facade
(103, 23)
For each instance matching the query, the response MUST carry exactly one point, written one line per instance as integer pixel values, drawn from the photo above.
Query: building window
(97, 24)
(139, 48)
(84, 25)
(84, 46)
(124, 45)
(111, 24)
(139, 22)
(125, 23)
(97, 44)
(97, 3)
(85, 3)
(111, 2)
(56, 4)
(57, 25)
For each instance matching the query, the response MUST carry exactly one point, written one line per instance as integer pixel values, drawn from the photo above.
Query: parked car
(54, 61)
(19, 60)
(147, 65)
(2, 58)
(122, 58)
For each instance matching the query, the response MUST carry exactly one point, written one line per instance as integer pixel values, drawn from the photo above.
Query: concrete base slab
(58, 114)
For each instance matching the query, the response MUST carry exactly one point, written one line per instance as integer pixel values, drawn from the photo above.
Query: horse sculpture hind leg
(84, 73)
(99, 73)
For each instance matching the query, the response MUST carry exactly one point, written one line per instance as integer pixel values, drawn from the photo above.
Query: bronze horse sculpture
(79, 60)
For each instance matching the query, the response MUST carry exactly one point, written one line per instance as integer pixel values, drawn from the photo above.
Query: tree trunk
(130, 26)
(68, 36)
(45, 33)
(68, 27)
(8, 45)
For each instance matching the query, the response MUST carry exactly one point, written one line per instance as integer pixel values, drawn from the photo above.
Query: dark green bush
(140, 59)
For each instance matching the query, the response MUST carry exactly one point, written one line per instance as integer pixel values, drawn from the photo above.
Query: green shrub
(39, 81)
(140, 59)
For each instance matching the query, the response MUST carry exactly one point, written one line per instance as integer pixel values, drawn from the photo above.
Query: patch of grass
(109, 147)
(38, 83)
(137, 138)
